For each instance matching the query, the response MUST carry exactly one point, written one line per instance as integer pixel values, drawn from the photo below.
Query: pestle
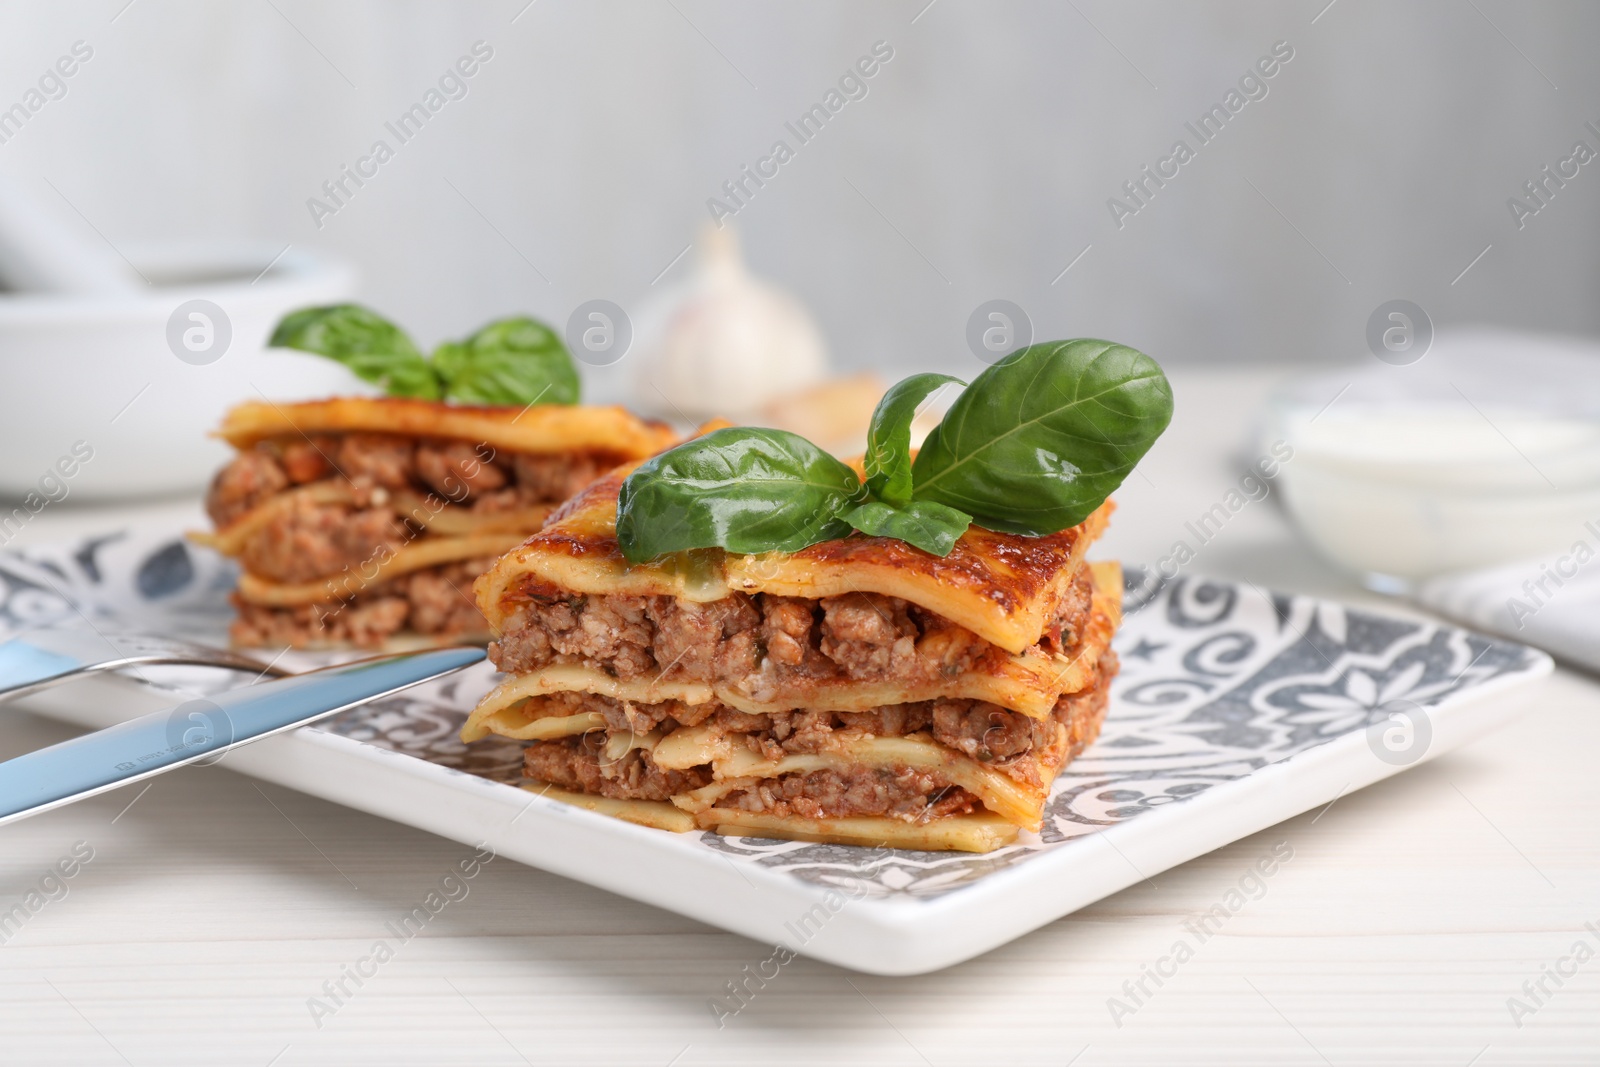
(41, 253)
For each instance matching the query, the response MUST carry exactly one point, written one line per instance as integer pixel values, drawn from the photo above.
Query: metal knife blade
(41, 658)
(163, 740)
(25, 668)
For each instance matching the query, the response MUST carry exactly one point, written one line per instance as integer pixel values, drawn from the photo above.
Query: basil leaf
(511, 361)
(375, 349)
(1040, 439)
(931, 527)
(742, 489)
(888, 459)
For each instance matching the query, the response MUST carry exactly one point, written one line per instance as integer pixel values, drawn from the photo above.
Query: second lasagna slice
(363, 521)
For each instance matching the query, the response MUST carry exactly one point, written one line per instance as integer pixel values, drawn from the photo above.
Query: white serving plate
(1234, 711)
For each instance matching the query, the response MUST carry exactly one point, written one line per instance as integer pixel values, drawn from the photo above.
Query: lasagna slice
(857, 691)
(363, 521)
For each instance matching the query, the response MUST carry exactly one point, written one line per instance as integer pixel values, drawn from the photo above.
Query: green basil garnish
(375, 349)
(888, 460)
(512, 361)
(1040, 439)
(508, 362)
(742, 489)
(1032, 446)
(931, 527)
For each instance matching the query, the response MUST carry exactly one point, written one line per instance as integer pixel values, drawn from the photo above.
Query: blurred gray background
(978, 165)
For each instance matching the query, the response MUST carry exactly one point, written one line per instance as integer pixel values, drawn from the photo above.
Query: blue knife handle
(163, 740)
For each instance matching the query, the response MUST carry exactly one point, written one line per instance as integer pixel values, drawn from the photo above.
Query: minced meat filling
(759, 644)
(435, 601)
(309, 540)
(904, 793)
(241, 485)
(579, 764)
(457, 470)
(1023, 748)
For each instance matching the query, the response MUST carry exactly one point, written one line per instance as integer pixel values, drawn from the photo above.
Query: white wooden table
(214, 908)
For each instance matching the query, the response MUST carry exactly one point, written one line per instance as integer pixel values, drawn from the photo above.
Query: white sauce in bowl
(1404, 490)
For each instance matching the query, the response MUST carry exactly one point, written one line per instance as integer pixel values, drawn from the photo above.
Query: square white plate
(1235, 710)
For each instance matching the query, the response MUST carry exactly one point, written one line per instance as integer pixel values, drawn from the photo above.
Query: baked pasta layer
(766, 654)
(812, 775)
(542, 429)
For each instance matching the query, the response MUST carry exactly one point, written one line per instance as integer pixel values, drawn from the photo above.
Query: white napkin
(1552, 603)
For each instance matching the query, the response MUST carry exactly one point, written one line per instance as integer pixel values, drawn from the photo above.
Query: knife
(163, 740)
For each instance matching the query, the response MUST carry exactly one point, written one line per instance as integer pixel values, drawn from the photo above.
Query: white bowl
(97, 376)
(1399, 493)
(1486, 451)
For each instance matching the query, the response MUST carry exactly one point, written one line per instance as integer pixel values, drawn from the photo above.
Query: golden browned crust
(1002, 587)
(537, 429)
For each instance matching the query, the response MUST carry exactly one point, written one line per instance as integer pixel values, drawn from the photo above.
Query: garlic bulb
(724, 343)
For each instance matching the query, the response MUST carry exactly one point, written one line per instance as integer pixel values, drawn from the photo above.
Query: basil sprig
(375, 349)
(931, 527)
(1033, 446)
(508, 362)
(740, 488)
(888, 460)
(1041, 438)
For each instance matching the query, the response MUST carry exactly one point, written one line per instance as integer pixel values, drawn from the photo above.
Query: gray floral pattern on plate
(1218, 681)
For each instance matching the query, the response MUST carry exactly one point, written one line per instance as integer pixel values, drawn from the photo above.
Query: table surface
(1412, 912)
